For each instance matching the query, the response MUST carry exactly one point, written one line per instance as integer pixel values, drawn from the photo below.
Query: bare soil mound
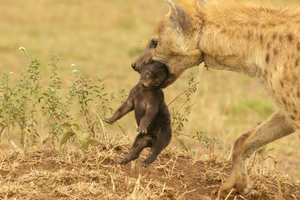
(93, 174)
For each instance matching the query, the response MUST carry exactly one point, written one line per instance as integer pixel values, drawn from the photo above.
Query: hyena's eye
(156, 83)
(153, 44)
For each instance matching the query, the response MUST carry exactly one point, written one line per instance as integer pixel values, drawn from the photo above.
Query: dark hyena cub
(151, 114)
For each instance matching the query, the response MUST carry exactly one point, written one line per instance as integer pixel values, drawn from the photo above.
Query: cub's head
(175, 41)
(153, 75)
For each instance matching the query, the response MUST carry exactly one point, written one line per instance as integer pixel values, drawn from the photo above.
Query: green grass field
(102, 38)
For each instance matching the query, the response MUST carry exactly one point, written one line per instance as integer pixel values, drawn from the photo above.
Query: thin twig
(229, 194)
(279, 196)
(136, 187)
(112, 180)
(2, 131)
(171, 172)
(177, 97)
(196, 159)
(103, 127)
(65, 193)
(117, 121)
(97, 165)
(4, 146)
(184, 117)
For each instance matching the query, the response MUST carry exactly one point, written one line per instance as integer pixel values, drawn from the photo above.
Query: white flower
(22, 49)
(73, 65)
(74, 71)
(11, 73)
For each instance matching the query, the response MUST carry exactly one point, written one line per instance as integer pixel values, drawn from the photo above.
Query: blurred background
(102, 38)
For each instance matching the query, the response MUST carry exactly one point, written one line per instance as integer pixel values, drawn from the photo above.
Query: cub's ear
(171, 79)
(180, 19)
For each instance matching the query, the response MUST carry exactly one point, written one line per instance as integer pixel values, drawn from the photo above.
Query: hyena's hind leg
(141, 141)
(159, 143)
(274, 128)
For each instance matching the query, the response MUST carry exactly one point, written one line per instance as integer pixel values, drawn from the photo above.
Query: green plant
(22, 102)
(74, 129)
(261, 155)
(19, 101)
(178, 117)
(54, 108)
(208, 143)
(205, 141)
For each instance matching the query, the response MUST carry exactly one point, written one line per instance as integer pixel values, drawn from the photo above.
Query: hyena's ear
(179, 17)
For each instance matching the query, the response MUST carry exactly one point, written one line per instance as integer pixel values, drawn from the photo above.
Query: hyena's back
(280, 60)
(266, 40)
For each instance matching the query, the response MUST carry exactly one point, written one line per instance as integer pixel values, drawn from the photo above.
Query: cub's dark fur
(151, 114)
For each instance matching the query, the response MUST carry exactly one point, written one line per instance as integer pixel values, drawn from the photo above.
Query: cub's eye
(156, 83)
(146, 73)
(153, 44)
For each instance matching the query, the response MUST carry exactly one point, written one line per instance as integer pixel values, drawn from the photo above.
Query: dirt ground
(42, 173)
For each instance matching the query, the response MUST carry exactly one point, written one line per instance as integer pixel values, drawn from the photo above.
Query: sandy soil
(93, 174)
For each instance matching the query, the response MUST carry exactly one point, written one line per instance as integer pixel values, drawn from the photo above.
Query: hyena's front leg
(126, 107)
(274, 128)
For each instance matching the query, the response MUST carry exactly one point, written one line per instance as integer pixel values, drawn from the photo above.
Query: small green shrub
(179, 117)
(22, 103)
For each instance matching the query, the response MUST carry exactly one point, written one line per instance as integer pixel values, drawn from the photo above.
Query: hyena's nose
(133, 65)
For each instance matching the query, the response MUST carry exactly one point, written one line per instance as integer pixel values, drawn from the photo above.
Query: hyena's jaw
(142, 60)
(177, 42)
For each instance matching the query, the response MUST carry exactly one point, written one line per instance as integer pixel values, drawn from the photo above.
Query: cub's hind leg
(160, 142)
(141, 141)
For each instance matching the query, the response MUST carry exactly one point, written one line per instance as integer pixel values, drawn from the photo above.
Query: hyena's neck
(234, 64)
(239, 36)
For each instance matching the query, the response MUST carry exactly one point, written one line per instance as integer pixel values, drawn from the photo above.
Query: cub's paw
(142, 129)
(109, 120)
(122, 161)
(145, 164)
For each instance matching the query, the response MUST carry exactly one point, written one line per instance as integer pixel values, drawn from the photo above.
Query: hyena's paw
(109, 120)
(236, 184)
(233, 193)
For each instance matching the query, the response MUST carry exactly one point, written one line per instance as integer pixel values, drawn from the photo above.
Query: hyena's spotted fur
(261, 41)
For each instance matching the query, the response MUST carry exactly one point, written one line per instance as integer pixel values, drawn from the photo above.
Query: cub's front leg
(151, 112)
(126, 107)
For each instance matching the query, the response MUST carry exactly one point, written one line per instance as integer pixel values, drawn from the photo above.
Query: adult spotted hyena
(261, 41)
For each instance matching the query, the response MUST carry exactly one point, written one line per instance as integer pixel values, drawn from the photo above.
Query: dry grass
(44, 173)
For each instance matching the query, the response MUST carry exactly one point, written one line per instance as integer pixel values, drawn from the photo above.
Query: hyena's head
(175, 41)
(153, 75)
